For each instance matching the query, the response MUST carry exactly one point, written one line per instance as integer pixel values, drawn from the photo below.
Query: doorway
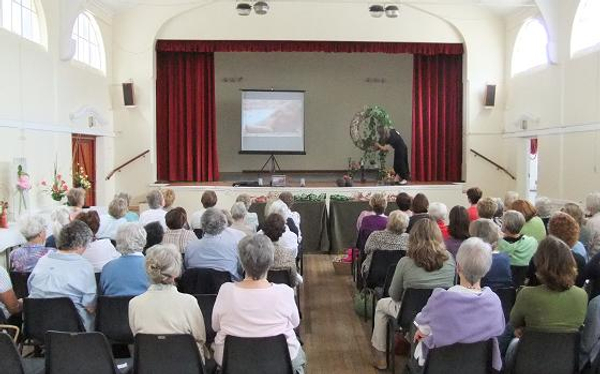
(532, 170)
(84, 160)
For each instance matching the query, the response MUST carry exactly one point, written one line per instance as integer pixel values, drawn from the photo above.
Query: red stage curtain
(185, 117)
(437, 118)
(204, 46)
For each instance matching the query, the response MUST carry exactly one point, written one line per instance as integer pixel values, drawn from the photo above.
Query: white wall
(38, 91)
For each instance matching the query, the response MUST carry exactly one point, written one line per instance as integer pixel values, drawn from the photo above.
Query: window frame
(76, 37)
(37, 12)
(589, 49)
(519, 35)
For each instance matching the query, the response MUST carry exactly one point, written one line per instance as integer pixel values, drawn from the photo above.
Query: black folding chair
(112, 319)
(375, 282)
(11, 361)
(19, 283)
(284, 276)
(547, 353)
(206, 304)
(268, 355)
(42, 315)
(519, 274)
(452, 359)
(202, 281)
(507, 297)
(159, 354)
(80, 353)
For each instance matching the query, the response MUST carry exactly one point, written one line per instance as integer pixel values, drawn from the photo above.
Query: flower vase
(4, 219)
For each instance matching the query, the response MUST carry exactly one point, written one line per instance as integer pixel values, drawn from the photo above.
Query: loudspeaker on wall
(128, 96)
(490, 95)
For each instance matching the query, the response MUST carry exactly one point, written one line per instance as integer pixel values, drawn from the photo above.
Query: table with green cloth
(342, 222)
(313, 223)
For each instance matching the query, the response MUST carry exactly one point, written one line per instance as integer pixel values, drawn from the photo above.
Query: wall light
(376, 10)
(392, 11)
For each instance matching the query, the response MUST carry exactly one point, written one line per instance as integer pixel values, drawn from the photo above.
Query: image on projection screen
(272, 121)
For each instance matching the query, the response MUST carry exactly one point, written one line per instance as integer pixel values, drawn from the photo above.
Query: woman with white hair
(476, 311)
(500, 275)
(520, 248)
(288, 238)
(162, 309)
(129, 216)
(543, 206)
(509, 198)
(59, 217)
(155, 213)
(255, 307)
(110, 223)
(239, 213)
(439, 213)
(251, 217)
(24, 259)
(592, 207)
(393, 238)
(76, 201)
(126, 275)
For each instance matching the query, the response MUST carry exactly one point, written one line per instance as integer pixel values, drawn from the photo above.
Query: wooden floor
(335, 339)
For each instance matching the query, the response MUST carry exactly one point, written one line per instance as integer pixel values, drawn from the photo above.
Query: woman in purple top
(24, 259)
(458, 228)
(375, 222)
(476, 312)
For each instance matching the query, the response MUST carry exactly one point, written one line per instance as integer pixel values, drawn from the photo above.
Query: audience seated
(169, 198)
(590, 336)
(458, 229)
(162, 309)
(239, 212)
(592, 206)
(129, 216)
(218, 247)
(473, 195)
(9, 304)
(251, 217)
(404, 202)
(499, 212)
(427, 264)
(534, 226)
(509, 198)
(75, 201)
(393, 238)
(285, 258)
(110, 223)
(543, 206)
(439, 213)
(374, 222)
(65, 273)
(420, 206)
(289, 239)
(208, 200)
(60, 216)
(155, 213)
(556, 305)
(255, 307)
(126, 275)
(465, 313)
(100, 251)
(486, 208)
(177, 232)
(520, 248)
(288, 199)
(33, 229)
(499, 275)
(154, 234)
(575, 211)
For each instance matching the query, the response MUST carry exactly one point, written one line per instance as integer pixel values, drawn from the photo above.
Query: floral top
(285, 259)
(383, 240)
(24, 259)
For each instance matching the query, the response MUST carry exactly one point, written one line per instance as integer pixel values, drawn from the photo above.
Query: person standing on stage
(390, 138)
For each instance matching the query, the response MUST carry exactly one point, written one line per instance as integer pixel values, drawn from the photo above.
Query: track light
(244, 8)
(392, 11)
(376, 11)
(261, 7)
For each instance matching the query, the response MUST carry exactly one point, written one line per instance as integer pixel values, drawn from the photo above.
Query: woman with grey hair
(110, 223)
(393, 238)
(592, 207)
(218, 247)
(255, 307)
(509, 198)
(65, 273)
(155, 213)
(476, 311)
(162, 309)
(126, 275)
(543, 206)
(520, 248)
(500, 275)
(76, 201)
(239, 213)
(33, 229)
(439, 213)
(129, 216)
(58, 219)
(251, 218)
(289, 239)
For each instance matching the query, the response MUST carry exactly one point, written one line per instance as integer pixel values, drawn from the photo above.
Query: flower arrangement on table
(81, 179)
(312, 197)
(364, 134)
(59, 188)
(23, 185)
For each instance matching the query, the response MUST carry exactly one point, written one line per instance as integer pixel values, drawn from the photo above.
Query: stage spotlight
(392, 11)
(376, 11)
(243, 9)
(261, 7)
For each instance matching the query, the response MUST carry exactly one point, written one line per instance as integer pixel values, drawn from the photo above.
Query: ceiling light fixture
(376, 10)
(392, 11)
(261, 7)
(243, 9)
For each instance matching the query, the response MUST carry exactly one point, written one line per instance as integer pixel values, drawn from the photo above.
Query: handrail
(118, 168)
(499, 167)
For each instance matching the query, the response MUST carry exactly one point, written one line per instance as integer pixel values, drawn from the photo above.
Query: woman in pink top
(255, 307)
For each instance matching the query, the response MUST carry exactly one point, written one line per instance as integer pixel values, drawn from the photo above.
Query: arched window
(89, 48)
(586, 27)
(21, 17)
(531, 47)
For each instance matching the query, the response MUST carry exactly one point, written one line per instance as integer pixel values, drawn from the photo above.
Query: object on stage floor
(278, 181)
(248, 183)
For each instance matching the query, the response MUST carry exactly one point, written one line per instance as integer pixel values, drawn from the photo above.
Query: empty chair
(507, 298)
(268, 355)
(474, 358)
(547, 353)
(19, 282)
(159, 354)
(41, 315)
(381, 262)
(206, 304)
(203, 281)
(12, 363)
(112, 319)
(79, 353)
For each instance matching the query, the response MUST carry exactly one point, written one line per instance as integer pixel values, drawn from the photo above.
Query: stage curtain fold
(437, 118)
(205, 46)
(186, 139)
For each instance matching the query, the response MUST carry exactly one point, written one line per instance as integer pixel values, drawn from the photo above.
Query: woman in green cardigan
(534, 226)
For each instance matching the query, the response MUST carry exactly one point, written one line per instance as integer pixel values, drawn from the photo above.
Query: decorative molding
(36, 126)
(88, 115)
(587, 127)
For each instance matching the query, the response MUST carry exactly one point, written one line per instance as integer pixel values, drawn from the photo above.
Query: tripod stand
(274, 164)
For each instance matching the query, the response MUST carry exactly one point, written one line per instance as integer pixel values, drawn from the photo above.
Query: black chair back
(203, 281)
(78, 353)
(19, 282)
(413, 300)
(159, 354)
(206, 304)
(11, 360)
(41, 315)
(519, 274)
(282, 276)
(112, 319)
(547, 353)
(380, 262)
(507, 297)
(452, 359)
(268, 355)
(388, 280)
